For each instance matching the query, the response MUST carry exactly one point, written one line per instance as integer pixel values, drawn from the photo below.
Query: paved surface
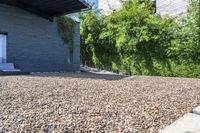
(189, 123)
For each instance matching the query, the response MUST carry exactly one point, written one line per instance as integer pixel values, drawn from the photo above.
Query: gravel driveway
(64, 103)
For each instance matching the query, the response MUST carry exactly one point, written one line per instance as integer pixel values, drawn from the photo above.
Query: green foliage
(134, 40)
(66, 30)
(188, 36)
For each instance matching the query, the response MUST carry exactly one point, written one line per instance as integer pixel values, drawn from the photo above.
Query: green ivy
(66, 30)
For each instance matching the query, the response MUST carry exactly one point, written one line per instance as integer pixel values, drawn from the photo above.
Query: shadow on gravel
(13, 73)
(82, 75)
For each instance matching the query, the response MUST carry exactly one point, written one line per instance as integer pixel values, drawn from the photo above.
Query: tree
(189, 33)
(141, 38)
(134, 40)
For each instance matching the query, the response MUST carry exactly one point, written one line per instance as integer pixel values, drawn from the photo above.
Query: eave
(49, 8)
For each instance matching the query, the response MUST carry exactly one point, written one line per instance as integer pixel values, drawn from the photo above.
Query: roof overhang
(49, 8)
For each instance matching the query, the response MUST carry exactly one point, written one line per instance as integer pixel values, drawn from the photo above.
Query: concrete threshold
(189, 123)
(196, 110)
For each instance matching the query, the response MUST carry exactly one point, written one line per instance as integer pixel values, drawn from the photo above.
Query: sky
(95, 2)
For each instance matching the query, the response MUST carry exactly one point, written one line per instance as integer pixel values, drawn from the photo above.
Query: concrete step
(196, 110)
(7, 67)
(189, 123)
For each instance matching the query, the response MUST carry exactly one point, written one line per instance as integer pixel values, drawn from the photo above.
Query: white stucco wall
(107, 6)
(171, 7)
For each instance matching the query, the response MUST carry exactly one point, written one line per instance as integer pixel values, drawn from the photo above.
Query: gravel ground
(64, 103)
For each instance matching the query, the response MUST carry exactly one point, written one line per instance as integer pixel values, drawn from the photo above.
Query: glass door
(3, 41)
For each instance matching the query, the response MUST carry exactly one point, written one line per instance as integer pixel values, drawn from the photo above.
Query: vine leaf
(66, 30)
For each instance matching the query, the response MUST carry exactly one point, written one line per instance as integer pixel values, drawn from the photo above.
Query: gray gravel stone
(83, 102)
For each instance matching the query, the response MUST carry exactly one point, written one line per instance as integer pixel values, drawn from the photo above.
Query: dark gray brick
(34, 44)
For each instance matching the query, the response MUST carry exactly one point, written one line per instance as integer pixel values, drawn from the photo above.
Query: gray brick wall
(33, 43)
